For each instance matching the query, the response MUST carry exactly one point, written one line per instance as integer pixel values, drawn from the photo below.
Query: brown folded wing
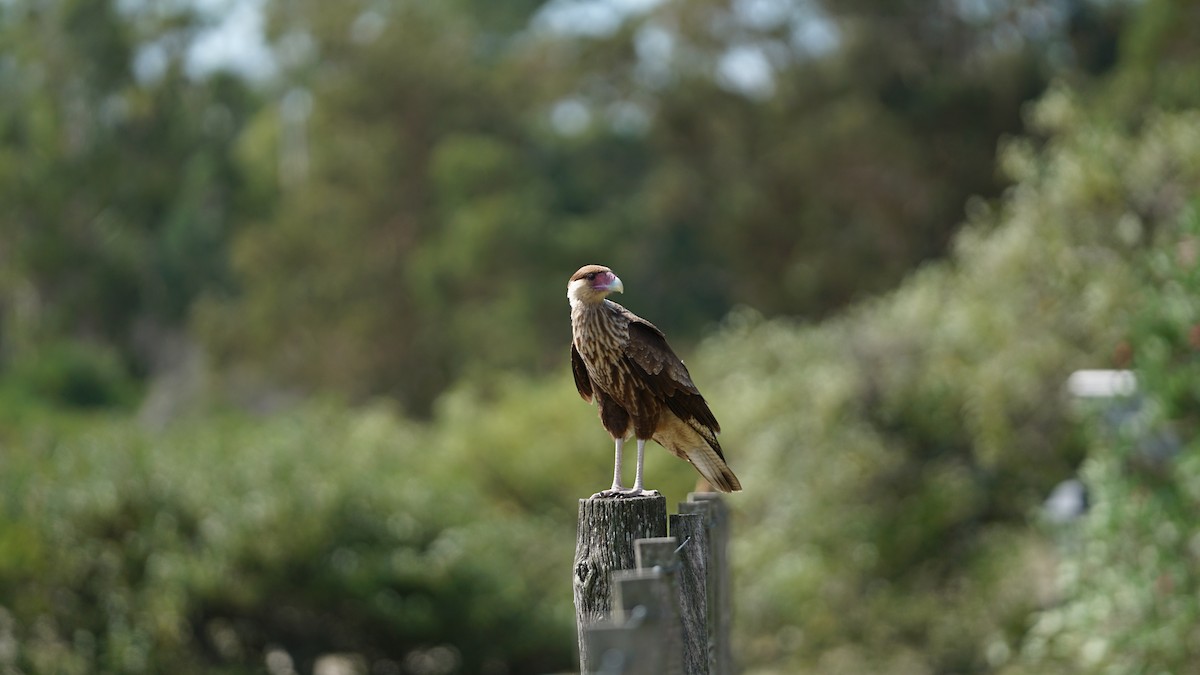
(582, 382)
(662, 373)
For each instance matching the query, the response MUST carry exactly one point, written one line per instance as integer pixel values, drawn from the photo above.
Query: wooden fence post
(659, 554)
(720, 601)
(692, 553)
(603, 544)
(631, 643)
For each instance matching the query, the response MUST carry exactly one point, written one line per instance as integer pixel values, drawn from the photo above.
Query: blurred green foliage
(900, 453)
(319, 531)
(449, 170)
(119, 191)
(1129, 582)
(896, 455)
(70, 374)
(418, 175)
(388, 221)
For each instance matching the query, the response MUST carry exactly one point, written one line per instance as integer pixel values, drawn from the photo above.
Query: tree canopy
(396, 207)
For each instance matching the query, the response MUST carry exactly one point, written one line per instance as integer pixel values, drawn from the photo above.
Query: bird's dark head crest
(593, 270)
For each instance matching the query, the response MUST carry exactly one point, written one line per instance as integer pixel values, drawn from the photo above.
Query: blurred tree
(409, 227)
(1158, 62)
(806, 153)
(445, 167)
(116, 184)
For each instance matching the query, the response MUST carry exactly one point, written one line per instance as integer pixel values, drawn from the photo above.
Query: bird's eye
(590, 276)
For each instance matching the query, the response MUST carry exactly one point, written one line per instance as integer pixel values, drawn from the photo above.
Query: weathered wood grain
(692, 554)
(604, 543)
(720, 601)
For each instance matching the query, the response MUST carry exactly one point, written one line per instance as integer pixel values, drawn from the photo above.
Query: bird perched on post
(623, 363)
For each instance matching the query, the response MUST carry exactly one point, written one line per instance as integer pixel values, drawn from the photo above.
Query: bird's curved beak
(615, 284)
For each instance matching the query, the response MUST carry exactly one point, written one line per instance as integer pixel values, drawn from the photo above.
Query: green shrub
(893, 457)
(72, 374)
(1130, 582)
(313, 532)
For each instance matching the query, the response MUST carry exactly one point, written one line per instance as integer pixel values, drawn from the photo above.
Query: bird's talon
(623, 493)
(611, 493)
(640, 492)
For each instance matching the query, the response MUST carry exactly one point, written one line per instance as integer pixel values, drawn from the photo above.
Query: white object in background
(1101, 383)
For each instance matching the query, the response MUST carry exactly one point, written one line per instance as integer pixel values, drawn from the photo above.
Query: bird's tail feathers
(713, 467)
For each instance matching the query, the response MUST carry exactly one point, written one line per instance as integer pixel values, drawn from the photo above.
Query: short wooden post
(720, 600)
(632, 643)
(659, 555)
(688, 529)
(603, 544)
(626, 649)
